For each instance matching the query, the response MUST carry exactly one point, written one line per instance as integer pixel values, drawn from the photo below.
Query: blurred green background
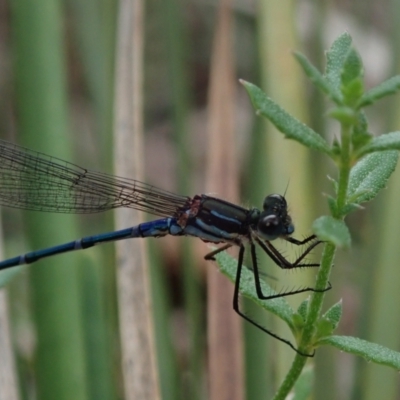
(56, 84)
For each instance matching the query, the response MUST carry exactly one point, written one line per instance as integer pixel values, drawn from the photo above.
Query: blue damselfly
(35, 181)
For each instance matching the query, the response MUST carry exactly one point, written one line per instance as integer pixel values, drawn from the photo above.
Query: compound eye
(274, 201)
(270, 227)
(289, 229)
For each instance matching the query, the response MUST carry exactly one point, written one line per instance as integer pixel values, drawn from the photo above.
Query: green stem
(306, 345)
(324, 271)
(315, 306)
(322, 282)
(291, 377)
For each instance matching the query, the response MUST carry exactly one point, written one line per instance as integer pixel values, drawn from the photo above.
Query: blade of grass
(99, 350)
(178, 51)
(42, 111)
(136, 324)
(385, 293)
(224, 326)
(168, 361)
(258, 371)
(8, 378)
(382, 264)
(93, 26)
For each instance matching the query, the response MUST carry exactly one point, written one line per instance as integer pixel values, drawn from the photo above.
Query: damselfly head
(274, 221)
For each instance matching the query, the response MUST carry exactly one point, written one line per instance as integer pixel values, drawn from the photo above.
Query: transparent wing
(35, 181)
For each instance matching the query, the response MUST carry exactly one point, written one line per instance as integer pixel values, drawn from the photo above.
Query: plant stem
(322, 281)
(291, 377)
(324, 272)
(306, 345)
(315, 305)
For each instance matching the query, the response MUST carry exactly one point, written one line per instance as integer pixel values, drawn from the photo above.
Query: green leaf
(386, 88)
(317, 78)
(303, 308)
(332, 230)
(360, 136)
(350, 207)
(387, 141)
(345, 115)
(336, 58)
(278, 306)
(291, 127)
(362, 123)
(370, 175)
(360, 139)
(332, 205)
(324, 328)
(300, 316)
(352, 86)
(334, 314)
(352, 92)
(336, 149)
(297, 323)
(370, 351)
(352, 68)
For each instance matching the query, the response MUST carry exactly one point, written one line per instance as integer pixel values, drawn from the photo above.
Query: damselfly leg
(283, 263)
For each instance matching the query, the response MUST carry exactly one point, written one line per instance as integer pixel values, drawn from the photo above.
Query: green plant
(364, 165)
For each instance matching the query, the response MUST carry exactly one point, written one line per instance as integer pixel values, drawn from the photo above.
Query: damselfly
(35, 181)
